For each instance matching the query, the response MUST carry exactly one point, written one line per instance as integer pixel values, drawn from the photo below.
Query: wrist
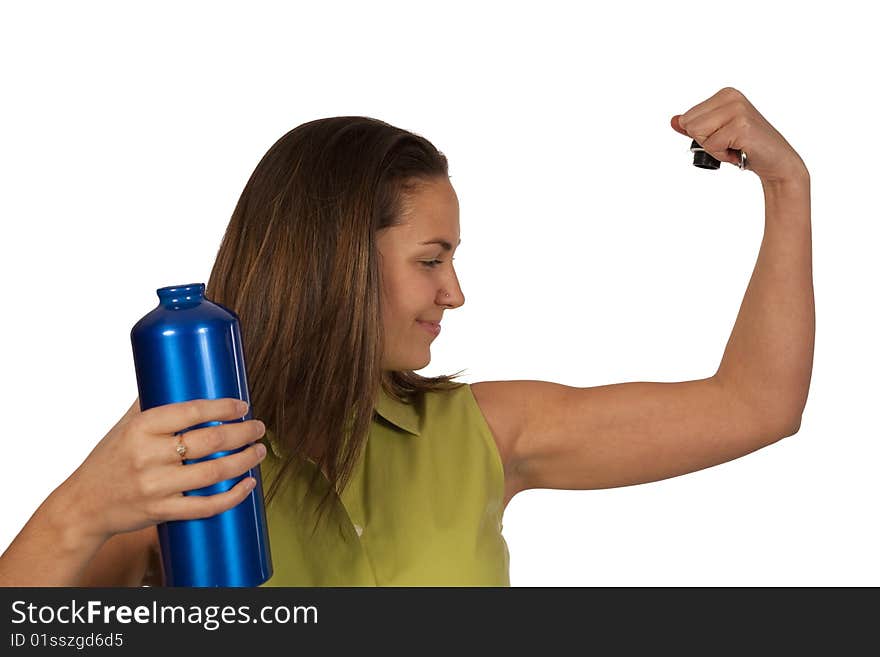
(787, 204)
(69, 523)
(797, 182)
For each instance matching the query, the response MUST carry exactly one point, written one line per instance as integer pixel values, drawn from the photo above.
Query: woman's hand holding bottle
(134, 478)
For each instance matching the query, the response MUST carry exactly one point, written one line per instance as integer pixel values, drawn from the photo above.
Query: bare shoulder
(504, 405)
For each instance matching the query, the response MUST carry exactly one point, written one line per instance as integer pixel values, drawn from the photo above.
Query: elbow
(795, 412)
(792, 426)
(786, 419)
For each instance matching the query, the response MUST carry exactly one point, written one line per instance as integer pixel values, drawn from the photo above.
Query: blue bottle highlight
(190, 348)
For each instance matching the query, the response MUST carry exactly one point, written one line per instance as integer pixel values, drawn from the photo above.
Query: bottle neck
(181, 296)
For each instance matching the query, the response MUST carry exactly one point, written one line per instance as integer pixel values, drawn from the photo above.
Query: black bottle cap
(702, 159)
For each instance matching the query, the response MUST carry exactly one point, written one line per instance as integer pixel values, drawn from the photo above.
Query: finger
(720, 143)
(722, 97)
(170, 418)
(206, 473)
(190, 507)
(210, 440)
(676, 125)
(705, 125)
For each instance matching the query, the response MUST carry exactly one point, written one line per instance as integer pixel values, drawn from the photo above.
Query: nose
(455, 296)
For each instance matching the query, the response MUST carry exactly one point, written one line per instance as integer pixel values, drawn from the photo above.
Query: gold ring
(180, 448)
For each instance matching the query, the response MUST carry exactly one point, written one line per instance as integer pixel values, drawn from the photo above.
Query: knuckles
(214, 472)
(144, 486)
(135, 425)
(731, 92)
(214, 439)
(139, 461)
(193, 414)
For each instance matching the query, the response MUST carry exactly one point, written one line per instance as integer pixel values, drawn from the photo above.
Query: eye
(432, 263)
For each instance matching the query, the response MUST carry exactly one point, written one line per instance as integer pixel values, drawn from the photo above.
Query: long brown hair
(299, 266)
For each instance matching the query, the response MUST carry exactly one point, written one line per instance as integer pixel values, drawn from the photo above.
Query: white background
(593, 251)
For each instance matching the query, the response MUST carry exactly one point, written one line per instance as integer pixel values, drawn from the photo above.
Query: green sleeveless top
(423, 507)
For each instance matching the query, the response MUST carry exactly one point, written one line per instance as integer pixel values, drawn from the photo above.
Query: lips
(431, 327)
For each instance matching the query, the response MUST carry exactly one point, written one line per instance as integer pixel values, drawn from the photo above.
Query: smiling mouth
(431, 327)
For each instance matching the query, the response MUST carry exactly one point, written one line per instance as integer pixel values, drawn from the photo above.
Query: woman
(338, 260)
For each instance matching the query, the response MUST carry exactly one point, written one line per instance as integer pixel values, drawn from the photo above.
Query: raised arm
(555, 436)
(769, 356)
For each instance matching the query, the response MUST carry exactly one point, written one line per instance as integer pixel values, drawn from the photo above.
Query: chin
(419, 363)
(413, 364)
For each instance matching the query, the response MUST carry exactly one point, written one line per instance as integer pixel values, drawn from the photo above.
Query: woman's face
(417, 273)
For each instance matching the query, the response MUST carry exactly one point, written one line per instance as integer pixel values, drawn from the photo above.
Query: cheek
(398, 315)
(405, 297)
(394, 310)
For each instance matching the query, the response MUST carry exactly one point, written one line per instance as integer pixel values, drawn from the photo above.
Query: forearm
(769, 356)
(50, 550)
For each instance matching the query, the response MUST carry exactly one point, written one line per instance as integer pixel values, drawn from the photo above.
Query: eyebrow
(446, 245)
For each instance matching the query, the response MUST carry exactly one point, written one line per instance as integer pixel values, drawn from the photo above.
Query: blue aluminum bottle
(190, 348)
